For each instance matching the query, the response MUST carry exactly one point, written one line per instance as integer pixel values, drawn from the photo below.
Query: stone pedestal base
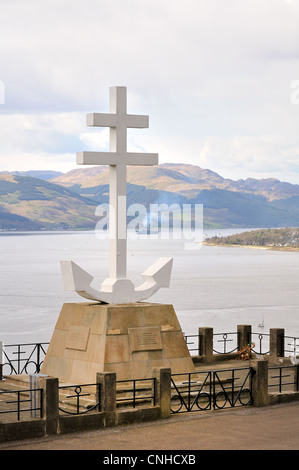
(128, 339)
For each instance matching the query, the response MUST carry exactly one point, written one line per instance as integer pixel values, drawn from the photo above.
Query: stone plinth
(128, 339)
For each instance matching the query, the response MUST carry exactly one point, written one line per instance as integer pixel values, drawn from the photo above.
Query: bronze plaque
(77, 337)
(145, 339)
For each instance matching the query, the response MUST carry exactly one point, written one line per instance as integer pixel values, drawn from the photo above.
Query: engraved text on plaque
(77, 337)
(145, 339)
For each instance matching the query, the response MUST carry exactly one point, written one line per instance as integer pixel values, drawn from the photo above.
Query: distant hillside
(28, 203)
(68, 200)
(227, 203)
(183, 179)
(281, 239)
(9, 221)
(41, 174)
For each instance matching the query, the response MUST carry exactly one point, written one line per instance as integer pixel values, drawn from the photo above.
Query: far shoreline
(256, 247)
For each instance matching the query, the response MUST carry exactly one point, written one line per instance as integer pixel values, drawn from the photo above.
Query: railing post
(277, 342)
(1, 360)
(244, 336)
(296, 378)
(38, 357)
(205, 343)
(107, 381)
(50, 403)
(163, 390)
(260, 382)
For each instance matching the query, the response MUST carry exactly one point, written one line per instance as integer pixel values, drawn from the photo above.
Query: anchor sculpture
(117, 288)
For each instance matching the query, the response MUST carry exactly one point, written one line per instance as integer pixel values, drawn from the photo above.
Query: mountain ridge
(68, 200)
(169, 176)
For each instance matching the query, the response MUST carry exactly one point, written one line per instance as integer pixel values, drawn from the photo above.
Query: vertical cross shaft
(118, 187)
(118, 158)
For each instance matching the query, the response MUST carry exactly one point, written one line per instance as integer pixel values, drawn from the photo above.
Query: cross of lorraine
(117, 288)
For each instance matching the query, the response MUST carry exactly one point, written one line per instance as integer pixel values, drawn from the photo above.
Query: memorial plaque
(145, 339)
(77, 337)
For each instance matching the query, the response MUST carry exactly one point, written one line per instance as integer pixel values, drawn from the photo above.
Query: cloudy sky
(218, 78)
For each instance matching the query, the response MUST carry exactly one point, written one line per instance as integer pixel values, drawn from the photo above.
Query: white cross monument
(117, 288)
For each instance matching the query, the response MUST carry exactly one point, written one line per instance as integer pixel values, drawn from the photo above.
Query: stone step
(18, 381)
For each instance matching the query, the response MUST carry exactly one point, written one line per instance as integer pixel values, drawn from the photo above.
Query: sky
(219, 80)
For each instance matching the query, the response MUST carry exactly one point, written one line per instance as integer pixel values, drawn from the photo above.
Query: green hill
(279, 239)
(68, 201)
(28, 203)
(227, 203)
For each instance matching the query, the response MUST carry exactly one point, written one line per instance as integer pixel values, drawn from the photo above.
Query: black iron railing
(283, 378)
(22, 401)
(291, 345)
(136, 391)
(234, 389)
(24, 358)
(74, 401)
(191, 392)
(225, 339)
(229, 343)
(192, 342)
(198, 391)
(27, 358)
(261, 342)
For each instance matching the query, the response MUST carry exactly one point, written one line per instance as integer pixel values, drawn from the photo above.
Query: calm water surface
(212, 286)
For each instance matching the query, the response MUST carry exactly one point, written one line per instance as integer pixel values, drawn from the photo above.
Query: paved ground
(248, 428)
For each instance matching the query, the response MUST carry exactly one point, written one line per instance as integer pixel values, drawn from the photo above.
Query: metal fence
(226, 343)
(291, 345)
(79, 399)
(192, 344)
(28, 358)
(261, 342)
(23, 358)
(222, 343)
(135, 392)
(22, 403)
(206, 390)
(283, 378)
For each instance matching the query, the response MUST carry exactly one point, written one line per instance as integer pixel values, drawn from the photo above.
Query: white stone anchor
(117, 288)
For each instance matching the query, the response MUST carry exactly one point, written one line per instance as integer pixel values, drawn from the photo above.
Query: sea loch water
(219, 287)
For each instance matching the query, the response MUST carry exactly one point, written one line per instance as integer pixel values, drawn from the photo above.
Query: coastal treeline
(275, 238)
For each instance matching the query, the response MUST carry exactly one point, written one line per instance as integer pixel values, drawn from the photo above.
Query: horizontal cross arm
(137, 121)
(101, 119)
(112, 120)
(113, 158)
(141, 159)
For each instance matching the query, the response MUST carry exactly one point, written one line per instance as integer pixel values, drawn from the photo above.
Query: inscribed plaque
(77, 337)
(145, 339)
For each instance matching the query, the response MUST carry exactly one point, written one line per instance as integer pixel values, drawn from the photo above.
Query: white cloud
(266, 156)
(39, 141)
(215, 78)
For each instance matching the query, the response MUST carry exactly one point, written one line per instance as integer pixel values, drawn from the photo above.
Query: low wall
(54, 422)
(206, 353)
